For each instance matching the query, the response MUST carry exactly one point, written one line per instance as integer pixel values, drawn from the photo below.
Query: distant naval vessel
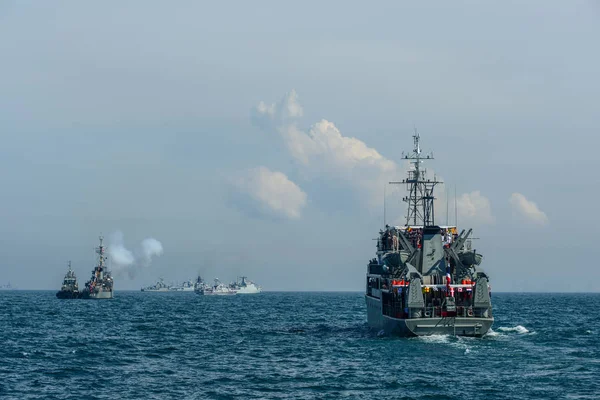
(100, 285)
(426, 278)
(187, 286)
(69, 288)
(218, 289)
(159, 286)
(245, 286)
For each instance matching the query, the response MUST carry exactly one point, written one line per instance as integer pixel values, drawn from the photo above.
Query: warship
(218, 289)
(69, 288)
(187, 286)
(100, 285)
(7, 286)
(200, 285)
(245, 286)
(426, 279)
(159, 286)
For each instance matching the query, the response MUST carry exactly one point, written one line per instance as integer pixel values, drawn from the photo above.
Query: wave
(491, 333)
(520, 329)
(434, 338)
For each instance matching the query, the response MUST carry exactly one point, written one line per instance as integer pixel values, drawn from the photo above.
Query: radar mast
(420, 189)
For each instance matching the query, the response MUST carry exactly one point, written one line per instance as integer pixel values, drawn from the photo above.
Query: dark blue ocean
(288, 346)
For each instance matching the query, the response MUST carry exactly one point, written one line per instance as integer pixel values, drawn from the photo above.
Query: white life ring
(427, 314)
(470, 312)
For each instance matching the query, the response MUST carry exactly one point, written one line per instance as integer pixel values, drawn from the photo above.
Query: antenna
(447, 202)
(420, 197)
(455, 209)
(384, 219)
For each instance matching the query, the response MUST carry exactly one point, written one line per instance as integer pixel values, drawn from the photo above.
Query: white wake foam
(520, 329)
(492, 333)
(434, 338)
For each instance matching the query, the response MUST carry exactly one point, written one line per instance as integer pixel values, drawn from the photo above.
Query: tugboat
(426, 279)
(100, 285)
(245, 286)
(69, 288)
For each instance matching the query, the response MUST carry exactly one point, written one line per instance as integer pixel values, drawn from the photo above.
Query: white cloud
(474, 208)
(272, 192)
(528, 209)
(150, 248)
(324, 150)
(288, 107)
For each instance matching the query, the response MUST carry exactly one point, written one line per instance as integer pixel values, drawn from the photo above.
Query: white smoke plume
(119, 255)
(126, 262)
(150, 248)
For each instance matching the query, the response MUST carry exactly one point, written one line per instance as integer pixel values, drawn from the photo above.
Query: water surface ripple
(287, 346)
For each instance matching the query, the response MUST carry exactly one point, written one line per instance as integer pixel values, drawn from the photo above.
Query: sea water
(288, 346)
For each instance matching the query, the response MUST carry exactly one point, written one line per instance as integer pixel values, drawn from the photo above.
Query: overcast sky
(256, 138)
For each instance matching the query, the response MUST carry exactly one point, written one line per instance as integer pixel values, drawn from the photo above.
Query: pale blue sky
(137, 117)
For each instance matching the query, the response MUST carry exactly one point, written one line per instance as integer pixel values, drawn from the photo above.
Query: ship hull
(246, 290)
(459, 326)
(98, 295)
(217, 294)
(65, 294)
(212, 293)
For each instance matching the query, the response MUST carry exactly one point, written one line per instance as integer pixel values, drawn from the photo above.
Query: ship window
(373, 282)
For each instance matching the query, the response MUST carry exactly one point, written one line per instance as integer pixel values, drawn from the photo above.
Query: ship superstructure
(100, 285)
(426, 278)
(69, 288)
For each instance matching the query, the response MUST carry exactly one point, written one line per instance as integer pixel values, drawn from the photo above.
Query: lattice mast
(420, 189)
(101, 267)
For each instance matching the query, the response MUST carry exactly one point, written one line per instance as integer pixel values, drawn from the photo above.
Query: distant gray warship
(159, 286)
(100, 286)
(218, 289)
(426, 279)
(69, 288)
(245, 286)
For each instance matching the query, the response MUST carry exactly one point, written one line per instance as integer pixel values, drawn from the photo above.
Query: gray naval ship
(100, 285)
(69, 288)
(426, 278)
